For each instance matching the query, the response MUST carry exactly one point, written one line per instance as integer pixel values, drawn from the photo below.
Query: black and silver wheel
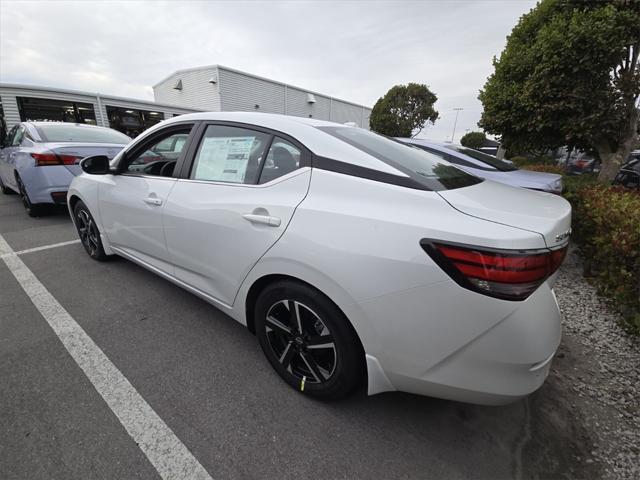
(88, 232)
(308, 340)
(33, 209)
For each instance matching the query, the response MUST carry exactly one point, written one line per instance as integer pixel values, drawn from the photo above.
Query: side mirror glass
(95, 165)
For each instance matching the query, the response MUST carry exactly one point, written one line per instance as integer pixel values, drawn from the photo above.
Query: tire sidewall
(99, 253)
(346, 374)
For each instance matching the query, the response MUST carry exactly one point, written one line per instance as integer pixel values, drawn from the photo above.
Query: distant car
(39, 159)
(583, 164)
(629, 174)
(487, 166)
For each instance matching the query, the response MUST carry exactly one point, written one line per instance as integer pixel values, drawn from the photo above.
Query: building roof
(222, 67)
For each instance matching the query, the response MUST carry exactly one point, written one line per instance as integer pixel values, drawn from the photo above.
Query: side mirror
(95, 165)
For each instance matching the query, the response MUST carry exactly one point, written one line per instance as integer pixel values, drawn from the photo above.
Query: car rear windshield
(425, 168)
(495, 162)
(82, 134)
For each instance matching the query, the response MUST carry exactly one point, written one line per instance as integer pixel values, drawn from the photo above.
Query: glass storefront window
(44, 109)
(132, 122)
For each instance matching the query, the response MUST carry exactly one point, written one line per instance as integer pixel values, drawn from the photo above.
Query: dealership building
(213, 88)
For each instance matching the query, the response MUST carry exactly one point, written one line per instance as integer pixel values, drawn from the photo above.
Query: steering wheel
(167, 169)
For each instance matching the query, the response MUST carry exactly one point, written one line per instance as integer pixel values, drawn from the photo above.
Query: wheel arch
(258, 284)
(73, 201)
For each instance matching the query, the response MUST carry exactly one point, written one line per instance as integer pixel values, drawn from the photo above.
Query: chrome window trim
(293, 173)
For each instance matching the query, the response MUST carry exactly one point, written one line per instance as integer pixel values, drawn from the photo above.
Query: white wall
(197, 92)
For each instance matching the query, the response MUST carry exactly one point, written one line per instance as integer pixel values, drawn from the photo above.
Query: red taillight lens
(510, 275)
(43, 159)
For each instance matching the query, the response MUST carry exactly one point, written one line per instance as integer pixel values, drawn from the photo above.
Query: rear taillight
(50, 158)
(505, 274)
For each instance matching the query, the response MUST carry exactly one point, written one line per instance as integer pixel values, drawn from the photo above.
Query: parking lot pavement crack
(521, 441)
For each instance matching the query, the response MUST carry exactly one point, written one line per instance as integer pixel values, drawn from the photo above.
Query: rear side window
(229, 154)
(17, 138)
(427, 170)
(60, 132)
(283, 157)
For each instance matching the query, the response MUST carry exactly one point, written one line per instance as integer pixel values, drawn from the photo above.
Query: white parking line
(46, 247)
(165, 451)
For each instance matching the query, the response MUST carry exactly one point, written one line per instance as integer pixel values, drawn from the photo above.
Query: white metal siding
(343, 112)
(196, 91)
(10, 109)
(298, 105)
(242, 93)
(366, 115)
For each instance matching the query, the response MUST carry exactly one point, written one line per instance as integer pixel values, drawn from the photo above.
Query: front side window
(283, 157)
(424, 168)
(229, 154)
(61, 132)
(160, 157)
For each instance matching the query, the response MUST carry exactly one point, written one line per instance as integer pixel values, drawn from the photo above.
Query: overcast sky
(353, 50)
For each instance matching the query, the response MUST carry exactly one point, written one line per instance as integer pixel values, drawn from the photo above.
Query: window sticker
(224, 159)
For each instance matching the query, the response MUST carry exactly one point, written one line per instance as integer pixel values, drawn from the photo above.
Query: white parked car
(350, 255)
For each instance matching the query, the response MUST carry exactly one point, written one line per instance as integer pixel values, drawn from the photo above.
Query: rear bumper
(455, 351)
(42, 182)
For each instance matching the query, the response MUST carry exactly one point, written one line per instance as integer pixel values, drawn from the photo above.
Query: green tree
(473, 140)
(404, 110)
(569, 75)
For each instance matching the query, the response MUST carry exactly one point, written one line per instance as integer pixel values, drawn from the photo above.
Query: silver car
(38, 160)
(487, 166)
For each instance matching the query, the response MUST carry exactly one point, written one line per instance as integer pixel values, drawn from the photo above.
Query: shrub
(606, 226)
(572, 183)
(520, 161)
(474, 140)
(545, 168)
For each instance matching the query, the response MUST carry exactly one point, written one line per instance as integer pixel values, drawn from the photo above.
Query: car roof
(302, 129)
(82, 125)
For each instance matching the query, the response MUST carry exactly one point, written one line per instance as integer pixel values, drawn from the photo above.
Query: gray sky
(353, 50)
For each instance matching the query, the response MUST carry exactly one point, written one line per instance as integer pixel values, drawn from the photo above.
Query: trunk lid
(535, 180)
(544, 213)
(82, 150)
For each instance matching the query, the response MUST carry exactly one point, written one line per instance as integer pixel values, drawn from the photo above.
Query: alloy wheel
(23, 194)
(87, 231)
(301, 341)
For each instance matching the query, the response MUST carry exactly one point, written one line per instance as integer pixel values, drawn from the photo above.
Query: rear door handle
(153, 201)
(262, 219)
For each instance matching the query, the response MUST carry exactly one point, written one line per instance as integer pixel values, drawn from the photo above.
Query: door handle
(153, 201)
(262, 219)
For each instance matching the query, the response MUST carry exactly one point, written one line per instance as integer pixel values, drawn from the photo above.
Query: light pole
(458, 110)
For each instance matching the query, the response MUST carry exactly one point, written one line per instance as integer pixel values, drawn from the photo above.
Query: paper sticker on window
(224, 159)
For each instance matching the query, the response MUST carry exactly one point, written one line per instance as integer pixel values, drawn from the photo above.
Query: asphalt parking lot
(205, 377)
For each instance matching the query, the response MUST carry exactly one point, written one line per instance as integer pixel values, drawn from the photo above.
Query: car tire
(6, 190)
(88, 232)
(33, 209)
(308, 340)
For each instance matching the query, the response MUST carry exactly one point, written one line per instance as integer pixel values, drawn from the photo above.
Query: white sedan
(351, 256)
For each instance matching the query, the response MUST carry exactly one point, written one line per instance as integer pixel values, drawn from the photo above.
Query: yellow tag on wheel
(302, 383)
